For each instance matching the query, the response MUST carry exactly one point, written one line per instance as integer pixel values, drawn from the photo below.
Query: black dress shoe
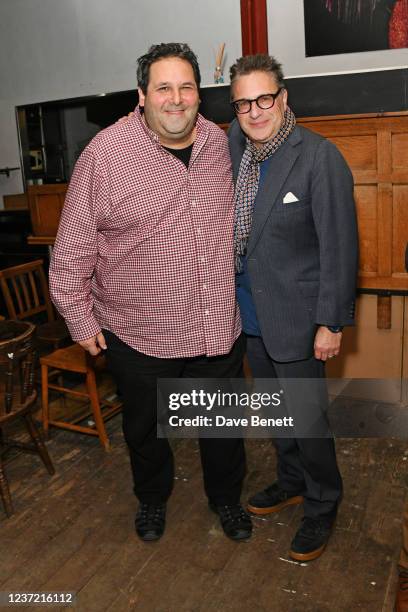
(235, 522)
(150, 521)
(311, 539)
(273, 499)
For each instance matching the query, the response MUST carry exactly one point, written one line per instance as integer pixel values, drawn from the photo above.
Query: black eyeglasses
(263, 101)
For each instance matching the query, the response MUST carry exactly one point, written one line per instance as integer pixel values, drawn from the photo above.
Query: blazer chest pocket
(292, 207)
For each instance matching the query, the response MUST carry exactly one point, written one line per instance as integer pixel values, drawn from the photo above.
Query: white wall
(53, 49)
(286, 37)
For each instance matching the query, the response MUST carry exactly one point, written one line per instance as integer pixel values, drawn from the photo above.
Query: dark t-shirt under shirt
(182, 154)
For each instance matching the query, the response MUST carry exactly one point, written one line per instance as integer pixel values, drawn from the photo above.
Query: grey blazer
(302, 255)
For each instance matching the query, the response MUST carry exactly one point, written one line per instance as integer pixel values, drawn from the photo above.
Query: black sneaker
(235, 522)
(150, 521)
(273, 499)
(311, 539)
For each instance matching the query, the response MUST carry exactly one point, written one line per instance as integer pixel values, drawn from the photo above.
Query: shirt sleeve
(76, 248)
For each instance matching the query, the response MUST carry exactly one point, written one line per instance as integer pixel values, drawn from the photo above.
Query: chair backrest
(25, 291)
(45, 203)
(16, 367)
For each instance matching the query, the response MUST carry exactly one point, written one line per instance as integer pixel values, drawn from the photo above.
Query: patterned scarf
(248, 182)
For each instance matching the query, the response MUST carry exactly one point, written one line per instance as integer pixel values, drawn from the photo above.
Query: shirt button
(204, 286)
(206, 312)
(193, 203)
(198, 230)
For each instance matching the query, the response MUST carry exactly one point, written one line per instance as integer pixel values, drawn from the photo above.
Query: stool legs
(5, 492)
(42, 451)
(74, 359)
(44, 399)
(38, 443)
(96, 408)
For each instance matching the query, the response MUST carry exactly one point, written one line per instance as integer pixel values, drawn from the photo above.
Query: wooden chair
(25, 292)
(19, 396)
(75, 359)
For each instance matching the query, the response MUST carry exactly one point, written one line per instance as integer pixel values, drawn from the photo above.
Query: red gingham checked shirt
(145, 246)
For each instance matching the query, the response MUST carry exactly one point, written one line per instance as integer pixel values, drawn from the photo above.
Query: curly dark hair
(158, 52)
(261, 62)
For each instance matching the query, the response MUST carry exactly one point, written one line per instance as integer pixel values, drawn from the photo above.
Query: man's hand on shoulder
(126, 118)
(326, 344)
(94, 345)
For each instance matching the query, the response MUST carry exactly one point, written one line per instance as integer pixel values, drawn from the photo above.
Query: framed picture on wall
(347, 26)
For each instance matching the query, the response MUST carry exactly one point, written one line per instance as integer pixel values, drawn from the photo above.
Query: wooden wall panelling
(384, 251)
(399, 229)
(399, 148)
(384, 311)
(15, 201)
(384, 186)
(376, 149)
(367, 216)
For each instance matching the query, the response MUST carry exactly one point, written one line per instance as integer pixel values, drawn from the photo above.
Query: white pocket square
(290, 197)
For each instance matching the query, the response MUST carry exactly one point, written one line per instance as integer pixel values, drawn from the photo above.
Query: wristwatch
(335, 329)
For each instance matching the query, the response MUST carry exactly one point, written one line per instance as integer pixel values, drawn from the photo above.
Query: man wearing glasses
(296, 261)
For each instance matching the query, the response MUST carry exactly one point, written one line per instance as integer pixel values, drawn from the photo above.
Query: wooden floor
(74, 532)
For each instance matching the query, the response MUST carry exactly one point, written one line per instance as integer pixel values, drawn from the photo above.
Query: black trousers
(223, 460)
(306, 465)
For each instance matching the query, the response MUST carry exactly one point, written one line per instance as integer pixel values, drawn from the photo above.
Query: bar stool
(75, 359)
(19, 397)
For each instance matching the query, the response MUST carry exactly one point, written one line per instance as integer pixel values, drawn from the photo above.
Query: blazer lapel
(278, 171)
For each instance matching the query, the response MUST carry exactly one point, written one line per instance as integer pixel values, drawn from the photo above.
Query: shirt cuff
(83, 329)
